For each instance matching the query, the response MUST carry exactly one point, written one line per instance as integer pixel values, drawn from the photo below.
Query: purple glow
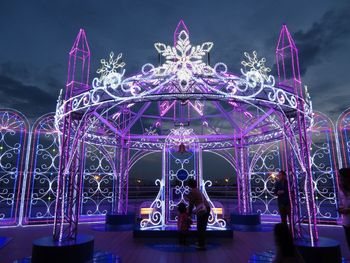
(243, 113)
(180, 26)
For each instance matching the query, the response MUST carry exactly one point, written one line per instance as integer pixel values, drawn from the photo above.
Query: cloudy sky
(36, 36)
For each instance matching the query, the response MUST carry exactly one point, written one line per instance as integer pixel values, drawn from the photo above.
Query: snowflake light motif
(256, 65)
(184, 60)
(111, 67)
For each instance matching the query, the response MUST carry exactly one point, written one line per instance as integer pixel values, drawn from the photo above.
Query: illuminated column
(243, 182)
(290, 167)
(116, 181)
(125, 123)
(289, 79)
(71, 145)
(165, 178)
(238, 176)
(123, 183)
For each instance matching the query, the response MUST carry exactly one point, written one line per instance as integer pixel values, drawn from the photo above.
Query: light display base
(117, 219)
(172, 232)
(45, 249)
(246, 219)
(324, 250)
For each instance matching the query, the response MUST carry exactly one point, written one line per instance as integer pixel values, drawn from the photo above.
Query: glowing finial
(80, 43)
(287, 59)
(285, 39)
(180, 27)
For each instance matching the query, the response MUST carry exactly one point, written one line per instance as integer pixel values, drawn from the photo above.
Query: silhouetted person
(282, 192)
(285, 249)
(202, 211)
(344, 207)
(183, 223)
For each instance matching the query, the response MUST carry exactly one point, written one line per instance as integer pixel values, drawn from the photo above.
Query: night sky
(37, 35)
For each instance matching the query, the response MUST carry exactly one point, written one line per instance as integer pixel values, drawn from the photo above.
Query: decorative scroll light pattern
(41, 194)
(98, 182)
(178, 175)
(324, 168)
(343, 126)
(13, 134)
(264, 163)
(173, 190)
(181, 135)
(213, 221)
(184, 75)
(156, 218)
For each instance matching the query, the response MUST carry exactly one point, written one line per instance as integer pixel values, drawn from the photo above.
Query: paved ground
(238, 249)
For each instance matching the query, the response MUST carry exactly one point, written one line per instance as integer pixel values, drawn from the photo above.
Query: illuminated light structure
(324, 167)
(14, 128)
(343, 128)
(71, 138)
(40, 196)
(190, 96)
(184, 108)
(247, 119)
(289, 79)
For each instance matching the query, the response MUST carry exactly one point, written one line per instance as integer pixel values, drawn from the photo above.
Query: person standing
(183, 223)
(285, 248)
(202, 211)
(282, 192)
(344, 196)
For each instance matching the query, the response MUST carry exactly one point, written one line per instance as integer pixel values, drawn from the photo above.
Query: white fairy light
(181, 135)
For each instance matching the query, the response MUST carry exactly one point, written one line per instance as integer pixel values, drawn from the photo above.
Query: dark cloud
(324, 37)
(30, 100)
(39, 34)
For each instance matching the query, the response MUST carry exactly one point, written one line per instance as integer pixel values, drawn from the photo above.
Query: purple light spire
(289, 78)
(71, 158)
(180, 26)
(79, 66)
(287, 59)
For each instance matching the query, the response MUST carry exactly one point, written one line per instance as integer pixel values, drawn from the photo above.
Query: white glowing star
(184, 60)
(256, 65)
(112, 66)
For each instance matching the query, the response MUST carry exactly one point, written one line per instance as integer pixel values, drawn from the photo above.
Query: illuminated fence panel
(343, 125)
(181, 168)
(13, 136)
(98, 184)
(43, 171)
(98, 181)
(264, 161)
(324, 168)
